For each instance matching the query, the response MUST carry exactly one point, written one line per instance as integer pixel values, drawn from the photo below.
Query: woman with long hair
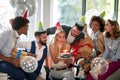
(59, 68)
(112, 49)
(97, 24)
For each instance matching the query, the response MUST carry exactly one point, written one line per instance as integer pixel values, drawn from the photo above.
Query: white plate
(66, 58)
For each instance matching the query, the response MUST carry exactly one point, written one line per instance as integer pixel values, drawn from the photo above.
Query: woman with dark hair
(112, 49)
(97, 25)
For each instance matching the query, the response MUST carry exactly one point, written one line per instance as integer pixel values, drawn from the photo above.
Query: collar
(38, 46)
(70, 33)
(17, 35)
(96, 33)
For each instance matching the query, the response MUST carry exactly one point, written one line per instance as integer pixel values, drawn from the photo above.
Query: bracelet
(19, 54)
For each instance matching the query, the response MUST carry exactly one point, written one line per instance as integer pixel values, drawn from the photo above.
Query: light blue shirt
(95, 40)
(7, 42)
(112, 49)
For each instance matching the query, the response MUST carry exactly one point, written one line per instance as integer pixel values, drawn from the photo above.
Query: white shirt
(27, 45)
(7, 42)
(70, 38)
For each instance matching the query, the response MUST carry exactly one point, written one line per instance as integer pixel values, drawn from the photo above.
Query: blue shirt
(7, 42)
(112, 49)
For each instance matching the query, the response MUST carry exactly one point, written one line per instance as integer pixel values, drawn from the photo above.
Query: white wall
(44, 13)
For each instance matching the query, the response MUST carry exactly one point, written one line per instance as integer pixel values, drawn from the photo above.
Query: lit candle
(65, 51)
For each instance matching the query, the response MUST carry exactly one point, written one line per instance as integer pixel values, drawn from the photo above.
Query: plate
(66, 58)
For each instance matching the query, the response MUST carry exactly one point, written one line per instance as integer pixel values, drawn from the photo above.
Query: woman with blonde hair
(59, 68)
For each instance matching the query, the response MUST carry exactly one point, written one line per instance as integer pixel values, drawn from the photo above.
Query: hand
(30, 54)
(60, 46)
(15, 62)
(110, 61)
(85, 28)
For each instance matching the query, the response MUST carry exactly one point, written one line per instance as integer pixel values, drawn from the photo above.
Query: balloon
(98, 67)
(14, 2)
(29, 64)
(32, 6)
(90, 13)
(20, 9)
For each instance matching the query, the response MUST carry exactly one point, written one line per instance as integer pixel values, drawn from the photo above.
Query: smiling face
(95, 26)
(43, 38)
(75, 32)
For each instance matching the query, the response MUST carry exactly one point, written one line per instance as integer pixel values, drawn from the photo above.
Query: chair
(48, 77)
(47, 74)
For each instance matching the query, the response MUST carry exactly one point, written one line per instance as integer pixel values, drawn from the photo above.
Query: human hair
(100, 20)
(19, 22)
(116, 31)
(57, 33)
(37, 33)
(79, 27)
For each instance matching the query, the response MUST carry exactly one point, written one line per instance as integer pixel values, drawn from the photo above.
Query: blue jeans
(16, 73)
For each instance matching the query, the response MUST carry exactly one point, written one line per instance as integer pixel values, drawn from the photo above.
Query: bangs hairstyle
(57, 33)
(116, 31)
(100, 20)
(19, 22)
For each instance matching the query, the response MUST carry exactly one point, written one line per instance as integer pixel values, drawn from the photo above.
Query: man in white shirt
(8, 64)
(37, 47)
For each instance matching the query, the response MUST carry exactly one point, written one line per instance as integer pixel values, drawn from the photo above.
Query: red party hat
(25, 15)
(58, 26)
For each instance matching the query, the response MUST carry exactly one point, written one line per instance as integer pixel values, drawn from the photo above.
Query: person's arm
(11, 60)
(86, 31)
(3, 41)
(68, 47)
(116, 57)
(26, 45)
(68, 61)
(51, 30)
(53, 54)
(101, 39)
(106, 53)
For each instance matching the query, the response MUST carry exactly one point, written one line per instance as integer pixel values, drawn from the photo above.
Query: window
(119, 12)
(6, 13)
(96, 7)
(67, 11)
(101, 5)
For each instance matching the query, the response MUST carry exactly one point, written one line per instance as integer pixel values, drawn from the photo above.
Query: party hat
(40, 27)
(102, 15)
(80, 23)
(82, 20)
(25, 15)
(58, 26)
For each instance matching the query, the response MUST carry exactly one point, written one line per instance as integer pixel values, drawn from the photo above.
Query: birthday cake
(65, 55)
